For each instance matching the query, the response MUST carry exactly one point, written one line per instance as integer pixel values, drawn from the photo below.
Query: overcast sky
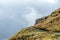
(18, 14)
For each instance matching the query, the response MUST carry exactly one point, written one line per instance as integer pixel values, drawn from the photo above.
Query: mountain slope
(45, 28)
(51, 22)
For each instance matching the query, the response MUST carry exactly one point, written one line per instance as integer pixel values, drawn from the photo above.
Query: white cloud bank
(48, 1)
(28, 1)
(31, 15)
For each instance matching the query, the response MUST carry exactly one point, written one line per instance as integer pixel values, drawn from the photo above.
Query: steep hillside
(51, 22)
(45, 28)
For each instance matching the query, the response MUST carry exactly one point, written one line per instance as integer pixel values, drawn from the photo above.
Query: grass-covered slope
(45, 28)
(32, 33)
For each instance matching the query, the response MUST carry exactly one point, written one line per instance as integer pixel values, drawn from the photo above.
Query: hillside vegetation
(45, 28)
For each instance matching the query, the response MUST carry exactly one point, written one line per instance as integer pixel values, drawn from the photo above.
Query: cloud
(28, 1)
(17, 14)
(31, 14)
(4, 39)
(48, 1)
(14, 1)
(51, 1)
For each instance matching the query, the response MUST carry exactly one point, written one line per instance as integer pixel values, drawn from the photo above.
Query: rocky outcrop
(45, 28)
(51, 22)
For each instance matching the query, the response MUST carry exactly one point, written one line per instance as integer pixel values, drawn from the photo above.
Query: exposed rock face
(45, 28)
(51, 22)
